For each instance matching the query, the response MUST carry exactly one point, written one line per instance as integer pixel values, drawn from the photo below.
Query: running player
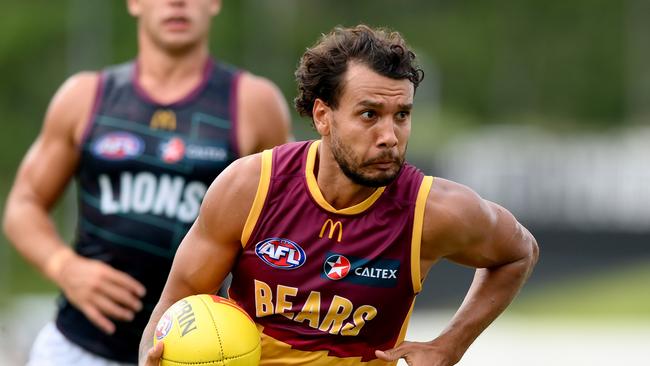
(143, 140)
(329, 241)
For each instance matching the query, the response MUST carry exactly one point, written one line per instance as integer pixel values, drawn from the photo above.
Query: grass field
(513, 340)
(600, 319)
(623, 293)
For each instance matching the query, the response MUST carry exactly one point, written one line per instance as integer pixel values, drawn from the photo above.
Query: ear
(215, 7)
(134, 7)
(322, 116)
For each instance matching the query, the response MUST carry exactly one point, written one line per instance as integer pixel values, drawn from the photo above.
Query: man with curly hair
(329, 241)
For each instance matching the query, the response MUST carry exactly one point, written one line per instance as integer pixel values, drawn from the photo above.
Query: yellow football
(207, 330)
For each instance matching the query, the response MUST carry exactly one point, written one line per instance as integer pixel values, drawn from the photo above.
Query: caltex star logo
(173, 150)
(336, 267)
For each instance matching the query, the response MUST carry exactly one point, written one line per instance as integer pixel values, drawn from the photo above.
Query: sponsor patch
(336, 267)
(207, 153)
(172, 151)
(163, 119)
(280, 253)
(377, 272)
(176, 149)
(118, 146)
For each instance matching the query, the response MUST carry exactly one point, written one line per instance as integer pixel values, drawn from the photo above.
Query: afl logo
(280, 253)
(118, 146)
(164, 325)
(336, 267)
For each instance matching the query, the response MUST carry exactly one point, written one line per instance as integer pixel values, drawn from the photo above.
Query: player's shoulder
(258, 88)
(243, 173)
(248, 166)
(454, 214)
(77, 92)
(263, 113)
(458, 201)
(235, 188)
(80, 84)
(448, 195)
(71, 104)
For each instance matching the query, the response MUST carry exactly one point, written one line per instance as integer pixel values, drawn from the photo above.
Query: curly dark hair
(321, 68)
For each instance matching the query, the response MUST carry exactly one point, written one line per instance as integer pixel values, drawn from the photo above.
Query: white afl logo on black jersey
(119, 145)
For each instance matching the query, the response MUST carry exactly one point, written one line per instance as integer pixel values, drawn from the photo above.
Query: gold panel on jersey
(416, 237)
(163, 119)
(260, 196)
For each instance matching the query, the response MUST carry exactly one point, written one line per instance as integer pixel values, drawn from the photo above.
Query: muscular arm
(263, 115)
(43, 174)
(99, 291)
(486, 236)
(462, 227)
(208, 251)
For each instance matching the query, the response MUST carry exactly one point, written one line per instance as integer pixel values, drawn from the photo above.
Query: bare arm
(208, 251)
(263, 115)
(42, 176)
(468, 230)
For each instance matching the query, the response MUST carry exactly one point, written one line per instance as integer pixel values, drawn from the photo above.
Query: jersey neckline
(317, 195)
(191, 95)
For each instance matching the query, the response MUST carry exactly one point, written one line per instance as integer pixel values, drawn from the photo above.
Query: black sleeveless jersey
(143, 172)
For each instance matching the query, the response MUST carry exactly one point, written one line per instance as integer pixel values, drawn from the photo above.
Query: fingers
(388, 355)
(121, 296)
(154, 355)
(99, 319)
(126, 282)
(121, 289)
(102, 292)
(112, 309)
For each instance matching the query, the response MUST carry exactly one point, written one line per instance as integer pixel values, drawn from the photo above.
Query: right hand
(100, 291)
(420, 354)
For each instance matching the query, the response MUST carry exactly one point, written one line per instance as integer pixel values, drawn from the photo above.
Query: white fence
(565, 181)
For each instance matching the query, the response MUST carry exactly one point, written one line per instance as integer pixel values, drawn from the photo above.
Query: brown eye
(368, 115)
(403, 115)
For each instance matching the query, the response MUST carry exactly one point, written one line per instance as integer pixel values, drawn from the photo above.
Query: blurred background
(541, 106)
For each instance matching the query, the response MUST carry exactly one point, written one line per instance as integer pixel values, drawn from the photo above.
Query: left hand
(419, 354)
(153, 355)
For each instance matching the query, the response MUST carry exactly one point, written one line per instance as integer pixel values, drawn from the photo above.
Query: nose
(178, 3)
(387, 136)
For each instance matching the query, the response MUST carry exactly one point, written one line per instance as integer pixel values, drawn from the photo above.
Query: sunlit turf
(622, 292)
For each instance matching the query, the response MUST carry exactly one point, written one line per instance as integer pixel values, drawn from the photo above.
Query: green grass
(623, 292)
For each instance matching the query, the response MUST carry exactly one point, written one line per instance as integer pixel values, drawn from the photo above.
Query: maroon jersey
(328, 286)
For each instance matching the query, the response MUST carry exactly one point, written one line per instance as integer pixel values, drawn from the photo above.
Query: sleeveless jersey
(328, 286)
(143, 171)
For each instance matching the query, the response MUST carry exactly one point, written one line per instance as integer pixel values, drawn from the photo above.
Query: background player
(143, 140)
(329, 241)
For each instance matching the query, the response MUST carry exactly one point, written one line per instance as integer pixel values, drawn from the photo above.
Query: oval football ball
(207, 330)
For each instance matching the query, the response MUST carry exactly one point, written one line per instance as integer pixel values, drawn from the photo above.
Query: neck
(166, 76)
(337, 189)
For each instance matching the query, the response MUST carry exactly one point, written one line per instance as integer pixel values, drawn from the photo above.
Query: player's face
(369, 130)
(175, 25)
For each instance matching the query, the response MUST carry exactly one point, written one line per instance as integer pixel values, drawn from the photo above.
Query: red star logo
(336, 267)
(173, 151)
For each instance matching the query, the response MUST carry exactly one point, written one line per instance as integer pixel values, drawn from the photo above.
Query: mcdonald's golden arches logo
(163, 119)
(333, 226)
